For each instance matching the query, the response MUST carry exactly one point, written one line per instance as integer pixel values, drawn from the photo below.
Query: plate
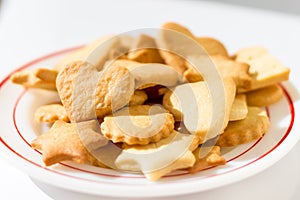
(19, 129)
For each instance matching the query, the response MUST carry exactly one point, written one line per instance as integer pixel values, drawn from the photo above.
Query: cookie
(149, 74)
(51, 113)
(212, 46)
(129, 64)
(145, 50)
(40, 78)
(141, 124)
(226, 67)
(191, 75)
(251, 128)
(87, 94)
(138, 98)
(236, 70)
(207, 157)
(192, 104)
(158, 159)
(62, 143)
(167, 41)
(264, 96)
(239, 108)
(265, 69)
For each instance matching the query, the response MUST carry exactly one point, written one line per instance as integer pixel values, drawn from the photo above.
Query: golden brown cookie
(62, 142)
(251, 128)
(51, 113)
(207, 157)
(145, 50)
(212, 46)
(264, 96)
(129, 64)
(265, 69)
(141, 124)
(177, 27)
(191, 75)
(138, 98)
(41, 78)
(145, 56)
(87, 94)
(177, 62)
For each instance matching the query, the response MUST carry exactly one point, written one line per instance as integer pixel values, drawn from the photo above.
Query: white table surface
(32, 28)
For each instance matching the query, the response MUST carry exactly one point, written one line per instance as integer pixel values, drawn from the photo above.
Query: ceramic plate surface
(19, 129)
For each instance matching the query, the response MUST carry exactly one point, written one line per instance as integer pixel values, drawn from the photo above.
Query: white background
(287, 6)
(32, 28)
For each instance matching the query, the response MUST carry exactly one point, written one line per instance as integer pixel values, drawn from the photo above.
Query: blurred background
(287, 6)
(33, 28)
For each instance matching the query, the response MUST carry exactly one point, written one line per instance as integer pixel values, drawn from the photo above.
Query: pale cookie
(251, 128)
(138, 98)
(51, 113)
(87, 94)
(38, 78)
(99, 51)
(149, 74)
(227, 68)
(212, 46)
(167, 41)
(192, 103)
(239, 108)
(145, 50)
(130, 65)
(140, 124)
(264, 96)
(158, 159)
(62, 142)
(207, 157)
(265, 69)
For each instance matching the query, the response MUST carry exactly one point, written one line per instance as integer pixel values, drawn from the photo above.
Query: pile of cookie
(126, 103)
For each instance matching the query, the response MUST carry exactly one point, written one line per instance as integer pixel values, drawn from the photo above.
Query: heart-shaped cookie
(88, 94)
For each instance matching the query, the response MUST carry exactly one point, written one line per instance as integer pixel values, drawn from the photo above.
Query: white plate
(17, 108)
